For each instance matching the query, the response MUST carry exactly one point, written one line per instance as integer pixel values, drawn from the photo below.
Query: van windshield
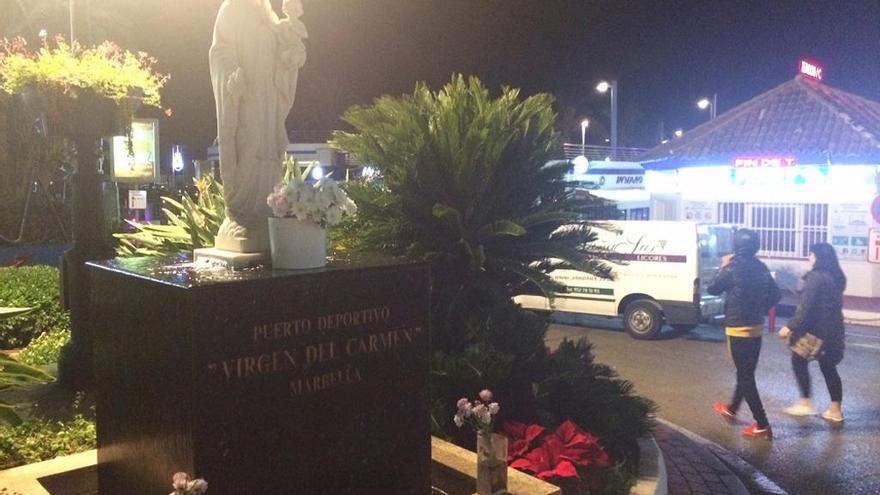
(715, 242)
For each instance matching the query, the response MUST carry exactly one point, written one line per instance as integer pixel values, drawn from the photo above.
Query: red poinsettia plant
(569, 457)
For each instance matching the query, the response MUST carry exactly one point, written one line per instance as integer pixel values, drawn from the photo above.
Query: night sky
(664, 54)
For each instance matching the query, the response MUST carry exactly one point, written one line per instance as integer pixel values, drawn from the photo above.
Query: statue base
(225, 375)
(233, 236)
(231, 259)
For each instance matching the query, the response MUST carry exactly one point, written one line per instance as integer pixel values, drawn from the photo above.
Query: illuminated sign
(764, 161)
(812, 70)
(143, 164)
(137, 200)
(177, 160)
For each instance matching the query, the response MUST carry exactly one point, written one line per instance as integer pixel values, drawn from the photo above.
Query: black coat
(751, 291)
(820, 313)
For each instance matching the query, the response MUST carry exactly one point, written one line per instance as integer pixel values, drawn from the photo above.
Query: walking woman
(820, 313)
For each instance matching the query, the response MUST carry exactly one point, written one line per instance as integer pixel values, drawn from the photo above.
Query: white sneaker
(800, 409)
(833, 416)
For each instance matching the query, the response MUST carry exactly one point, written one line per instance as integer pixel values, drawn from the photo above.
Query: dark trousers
(829, 371)
(745, 352)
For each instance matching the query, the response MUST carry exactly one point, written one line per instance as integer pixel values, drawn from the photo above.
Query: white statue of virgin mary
(255, 59)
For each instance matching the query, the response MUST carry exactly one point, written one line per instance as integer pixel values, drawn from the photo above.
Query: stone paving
(692, 469)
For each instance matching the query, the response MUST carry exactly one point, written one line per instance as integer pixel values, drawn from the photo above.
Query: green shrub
(45, 348)
(36, 287)
(39, 440)
(468, 182)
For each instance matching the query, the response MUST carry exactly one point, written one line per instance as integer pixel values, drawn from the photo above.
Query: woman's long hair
(826, 261)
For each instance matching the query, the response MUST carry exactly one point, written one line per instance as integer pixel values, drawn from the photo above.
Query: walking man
(751, 292)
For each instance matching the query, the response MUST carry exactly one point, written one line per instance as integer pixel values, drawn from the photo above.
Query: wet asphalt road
(685, 374)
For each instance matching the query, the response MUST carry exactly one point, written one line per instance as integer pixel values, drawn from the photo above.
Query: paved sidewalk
(692, 469)
(697, 466)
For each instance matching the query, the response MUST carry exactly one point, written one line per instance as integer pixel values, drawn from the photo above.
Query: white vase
(297, 244)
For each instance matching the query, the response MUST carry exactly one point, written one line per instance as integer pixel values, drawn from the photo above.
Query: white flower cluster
(480, 414)
(323, 203)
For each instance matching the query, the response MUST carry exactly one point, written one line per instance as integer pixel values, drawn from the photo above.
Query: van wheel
(642, 320)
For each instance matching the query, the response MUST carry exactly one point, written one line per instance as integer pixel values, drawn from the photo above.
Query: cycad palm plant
(465, 182)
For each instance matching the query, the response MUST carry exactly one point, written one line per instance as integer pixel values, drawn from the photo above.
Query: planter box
(453, 471)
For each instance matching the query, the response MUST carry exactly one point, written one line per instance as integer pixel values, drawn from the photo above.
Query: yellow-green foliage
(42, 439)
(34, 287)
(106, 69)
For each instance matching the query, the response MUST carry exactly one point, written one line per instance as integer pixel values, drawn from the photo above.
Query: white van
(660, 271)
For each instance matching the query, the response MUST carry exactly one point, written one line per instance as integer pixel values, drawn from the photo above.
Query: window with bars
(787, 229)
(638, 214)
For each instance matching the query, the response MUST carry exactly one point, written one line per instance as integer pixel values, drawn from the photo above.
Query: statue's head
(262, 5)
(293, 8)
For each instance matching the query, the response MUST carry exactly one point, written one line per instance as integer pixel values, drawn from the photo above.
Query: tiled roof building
(802, 117)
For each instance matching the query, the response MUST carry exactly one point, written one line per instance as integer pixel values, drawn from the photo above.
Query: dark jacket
(751, 291)
(820, 313)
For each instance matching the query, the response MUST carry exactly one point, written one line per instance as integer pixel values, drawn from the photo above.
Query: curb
(756, 481)
(25, 480)
(652, 469)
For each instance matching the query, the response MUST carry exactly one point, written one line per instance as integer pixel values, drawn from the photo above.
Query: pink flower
(486, 395)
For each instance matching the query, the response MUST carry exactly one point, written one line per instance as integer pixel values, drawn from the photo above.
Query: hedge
(36, 287)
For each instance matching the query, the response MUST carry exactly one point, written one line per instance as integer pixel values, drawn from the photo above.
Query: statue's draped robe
(254, 60)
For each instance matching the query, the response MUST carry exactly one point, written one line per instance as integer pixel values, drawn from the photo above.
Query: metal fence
(787, 229)
(593, 152)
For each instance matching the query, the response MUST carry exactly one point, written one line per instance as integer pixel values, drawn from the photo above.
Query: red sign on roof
(812, 69)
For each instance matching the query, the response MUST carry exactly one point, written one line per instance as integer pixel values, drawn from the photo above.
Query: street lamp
(704, 103)
(70, 8)
(679, 133)
(604, 87)
(584, 124)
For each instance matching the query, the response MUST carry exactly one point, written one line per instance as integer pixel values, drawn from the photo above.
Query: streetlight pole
(602, 87)
(614, 119)
(584, 124)
(70, 8)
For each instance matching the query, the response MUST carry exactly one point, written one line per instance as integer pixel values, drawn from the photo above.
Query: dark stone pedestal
(262, 382)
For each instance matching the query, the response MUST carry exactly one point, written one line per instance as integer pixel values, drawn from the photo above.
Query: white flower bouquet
(480, 414)
(323, 202)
